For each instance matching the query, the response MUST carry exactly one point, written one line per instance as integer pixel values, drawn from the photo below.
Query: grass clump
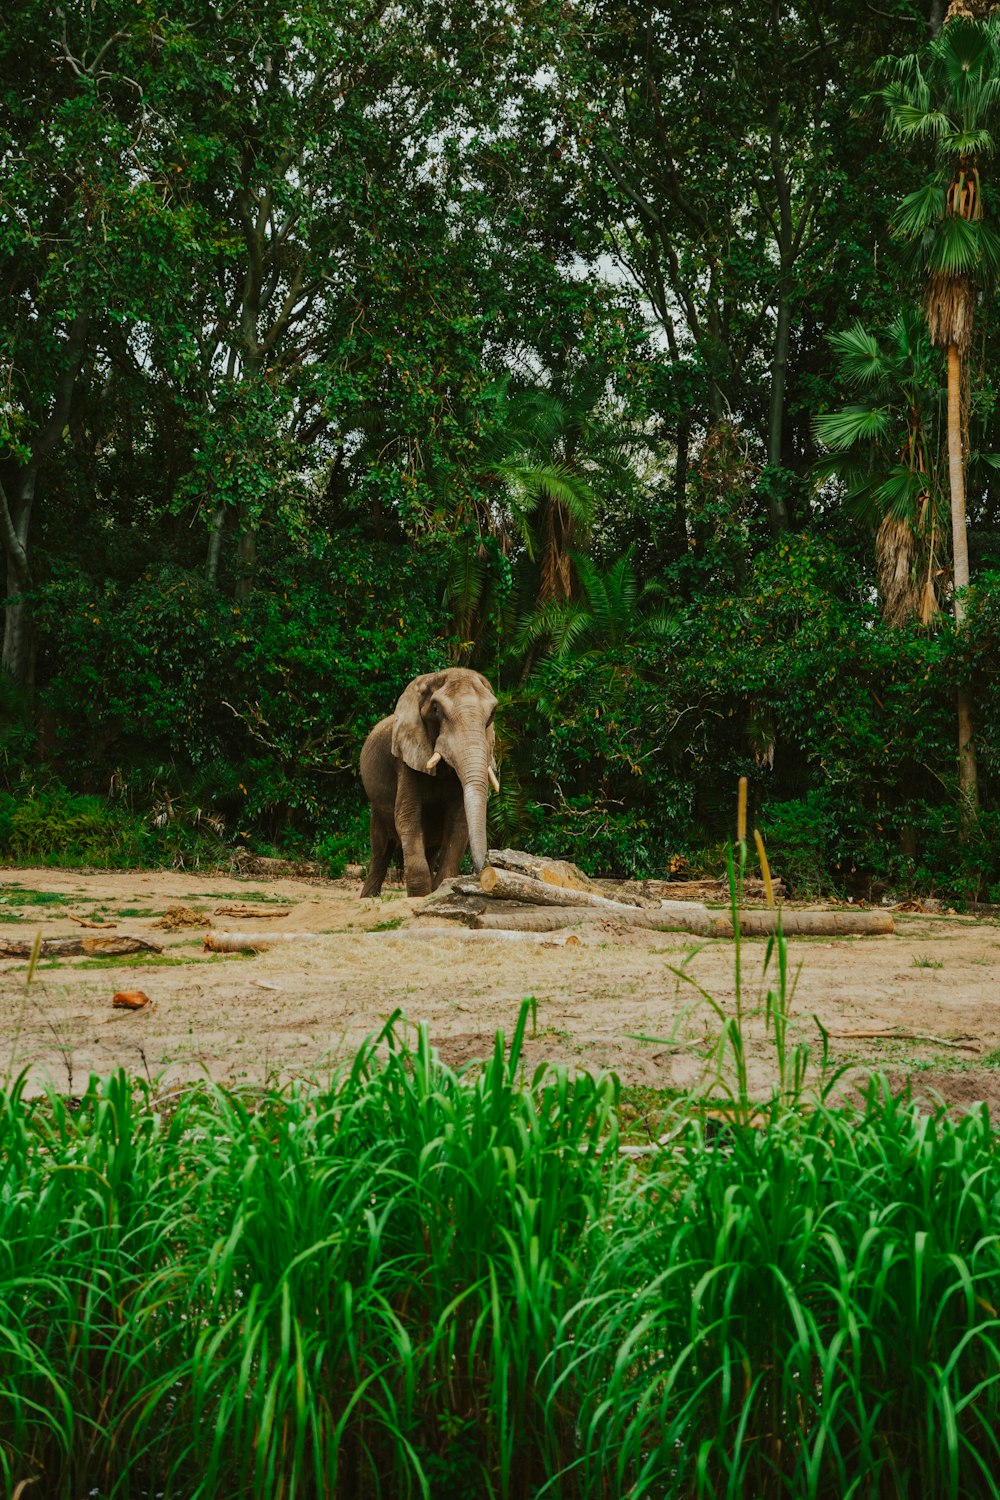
(423, 1282)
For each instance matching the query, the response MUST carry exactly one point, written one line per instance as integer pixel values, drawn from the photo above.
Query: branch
(81, 68)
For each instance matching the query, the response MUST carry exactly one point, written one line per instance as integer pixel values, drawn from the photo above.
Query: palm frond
(913, 119)
(662, 625)
(921, 210)
(532, 483)
(861, 358)
(898, 492)
(968, 141)
(955, 249)
(852, 424)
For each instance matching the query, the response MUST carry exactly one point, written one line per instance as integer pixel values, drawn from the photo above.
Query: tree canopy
(587, 345)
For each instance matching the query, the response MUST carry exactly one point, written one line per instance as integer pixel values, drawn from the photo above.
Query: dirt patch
(623, 1000)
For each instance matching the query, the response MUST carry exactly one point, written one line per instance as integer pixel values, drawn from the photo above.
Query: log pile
(519, 892)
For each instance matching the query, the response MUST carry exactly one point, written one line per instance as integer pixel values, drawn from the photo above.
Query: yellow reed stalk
(36, 949)
(765, 868)
(741, 813)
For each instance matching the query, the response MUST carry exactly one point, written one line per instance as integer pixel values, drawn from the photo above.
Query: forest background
(583, 344)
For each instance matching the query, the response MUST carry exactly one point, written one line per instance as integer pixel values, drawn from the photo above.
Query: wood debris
(70, 947)
(519, 892)
(243, 911)
(86, 922)
(959, 1044)
(807, 923)
(258, 942)
(714, 890)
(468, 934)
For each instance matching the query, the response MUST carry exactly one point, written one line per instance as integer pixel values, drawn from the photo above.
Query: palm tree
(611, 611)
(949, 94)
(885, 448)
(533, 492)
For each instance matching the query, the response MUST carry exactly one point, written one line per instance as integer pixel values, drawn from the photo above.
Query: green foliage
(316, 379)
(949, 94)
(53, 826)
(253, 711)
(416, 1280)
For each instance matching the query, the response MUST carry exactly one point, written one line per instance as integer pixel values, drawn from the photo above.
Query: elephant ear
(410, 739)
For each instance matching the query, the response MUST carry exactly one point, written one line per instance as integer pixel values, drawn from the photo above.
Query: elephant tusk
(433, 760)
(494, 780)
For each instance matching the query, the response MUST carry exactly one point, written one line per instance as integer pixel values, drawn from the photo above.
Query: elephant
(426, 770)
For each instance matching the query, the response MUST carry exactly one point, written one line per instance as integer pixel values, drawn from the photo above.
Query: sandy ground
(612, 1002)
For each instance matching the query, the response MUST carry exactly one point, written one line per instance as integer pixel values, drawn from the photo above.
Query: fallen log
(688, 916)
(470, 934)
(715, 890)
(807, 923)
(78, 946)
(236, 942)
(456, 901)
(86, 922)
(552, 918)
(552, 871)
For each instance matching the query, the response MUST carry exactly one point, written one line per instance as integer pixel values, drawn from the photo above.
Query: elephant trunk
(475, 816)
(467, 750)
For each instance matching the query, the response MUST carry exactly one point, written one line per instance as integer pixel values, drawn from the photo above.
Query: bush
(256, 711)
(57, 827)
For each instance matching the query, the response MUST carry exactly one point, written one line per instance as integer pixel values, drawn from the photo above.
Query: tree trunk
(15, 517)
(968, 781)
(956, 479)
(680, 485)
(777, 506)
(15, 512)
(215, 542)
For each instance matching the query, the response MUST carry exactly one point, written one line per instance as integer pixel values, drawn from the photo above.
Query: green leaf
(853, 424)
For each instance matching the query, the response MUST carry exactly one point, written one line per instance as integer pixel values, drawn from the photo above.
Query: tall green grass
(417, 1282)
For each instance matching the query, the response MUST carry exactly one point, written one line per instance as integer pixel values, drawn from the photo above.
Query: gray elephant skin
(427, 769)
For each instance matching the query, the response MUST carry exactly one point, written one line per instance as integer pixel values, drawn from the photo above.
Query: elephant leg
(383, 839)
(454, 842)
(410, 832)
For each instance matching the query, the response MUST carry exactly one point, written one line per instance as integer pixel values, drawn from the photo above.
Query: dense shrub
(255, 710)
(621, 753)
